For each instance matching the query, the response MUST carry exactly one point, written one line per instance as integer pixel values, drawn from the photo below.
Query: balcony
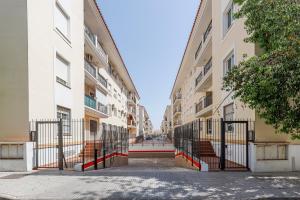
(102, 80)
(131, 124)
(177, 98)
(207, 31)
(95, 47)
(204, 107)
(204, 50)
(177, 111)
(177, 123)
(95, 108)
(131, 100)
(90, 69)
(204, 81)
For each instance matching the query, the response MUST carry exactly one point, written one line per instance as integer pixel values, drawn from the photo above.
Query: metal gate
(68, 144)
(57, 143)
(215, 144)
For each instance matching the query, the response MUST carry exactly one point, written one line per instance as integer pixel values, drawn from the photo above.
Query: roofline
(98, 8)
(190, 36)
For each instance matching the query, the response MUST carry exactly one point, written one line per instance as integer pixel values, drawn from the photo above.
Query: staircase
(205, 149)
(89, 149)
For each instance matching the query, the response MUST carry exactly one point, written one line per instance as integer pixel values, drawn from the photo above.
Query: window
(228, 63)
(228, 116)
(228, 17)
(62, 71)
(209, 126)
(65, 114)
(62, 21)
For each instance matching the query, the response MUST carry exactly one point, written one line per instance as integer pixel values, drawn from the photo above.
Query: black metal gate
(67, 144)
(215, 144)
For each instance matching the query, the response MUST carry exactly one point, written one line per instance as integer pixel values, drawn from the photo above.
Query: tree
(270, 82)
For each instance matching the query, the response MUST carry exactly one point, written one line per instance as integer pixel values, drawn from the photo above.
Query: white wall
(44, 41)
(14, 70)
(291, 164)
(19, 165)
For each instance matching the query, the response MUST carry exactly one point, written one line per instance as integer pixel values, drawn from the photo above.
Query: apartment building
(166, 125)
(59, 61)
(145, 125)
(215, 45)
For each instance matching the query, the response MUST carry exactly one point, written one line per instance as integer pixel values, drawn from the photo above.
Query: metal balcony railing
(96, 43)
(102, 80)
(199, 78)
(207, 31)
(90, 69)
(177, 109)
(102, 108)
(204, 103)
(202, 74)
(177, 96)
(207, 66)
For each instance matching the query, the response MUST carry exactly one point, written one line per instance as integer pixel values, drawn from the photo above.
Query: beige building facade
(59, 61)
(215, 45)
(166, 124)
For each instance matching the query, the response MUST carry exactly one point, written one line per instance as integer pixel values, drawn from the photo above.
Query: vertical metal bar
(104, 145)
(247, 147)
(37, 144)
(83, 144)
(192, 132)
(222, 159)
(60, 145)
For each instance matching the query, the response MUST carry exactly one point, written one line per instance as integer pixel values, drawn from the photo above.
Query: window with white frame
(65, 114)
(228, 116)
(228, 63)
(228, 17)
(62, 20)
(62, 71)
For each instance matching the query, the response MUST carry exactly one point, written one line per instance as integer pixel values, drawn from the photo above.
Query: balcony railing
(89, 68)
(90, 102)
(199, 78)
(177, 96)
(204, 103)
(131, 123)
(178, 123)
(208, 101)
(207, 66)
(177, 109)
(132, 98)
(102, 108)
(96, 43)
(206, 33)
(102, 80)
(90, 35)
(202, 74)
(199, 106)
(198, 50)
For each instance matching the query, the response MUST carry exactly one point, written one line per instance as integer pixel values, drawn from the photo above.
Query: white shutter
(62, 69)
(61, 21)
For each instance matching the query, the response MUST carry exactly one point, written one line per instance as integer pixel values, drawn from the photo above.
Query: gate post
(247, 145)
(104, 144)
(36, 144)
(222, 158)
(60, 145)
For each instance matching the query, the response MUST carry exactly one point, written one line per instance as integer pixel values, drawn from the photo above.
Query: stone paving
(149, 179)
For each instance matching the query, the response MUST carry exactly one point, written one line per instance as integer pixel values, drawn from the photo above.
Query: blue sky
(151, 36)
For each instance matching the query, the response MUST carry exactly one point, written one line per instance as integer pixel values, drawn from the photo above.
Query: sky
(151, 36)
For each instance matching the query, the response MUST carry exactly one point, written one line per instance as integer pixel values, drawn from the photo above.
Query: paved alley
(148, 179)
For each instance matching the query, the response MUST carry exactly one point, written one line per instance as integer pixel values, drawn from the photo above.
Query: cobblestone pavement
(149, 179)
